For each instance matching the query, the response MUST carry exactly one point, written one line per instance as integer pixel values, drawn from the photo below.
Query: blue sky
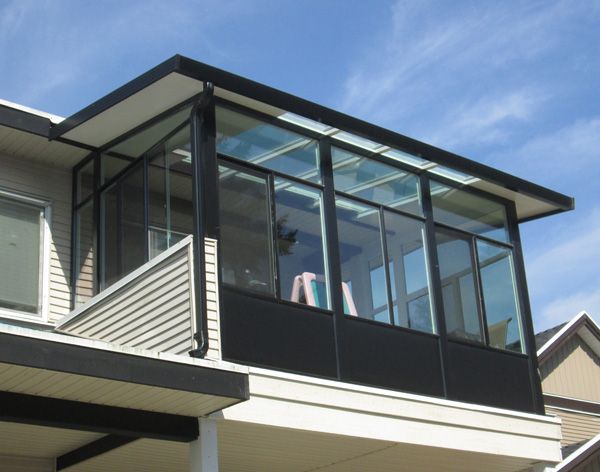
(512, 84)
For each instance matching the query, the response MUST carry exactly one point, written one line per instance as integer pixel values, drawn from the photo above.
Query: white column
(204, 451)
(542, 467)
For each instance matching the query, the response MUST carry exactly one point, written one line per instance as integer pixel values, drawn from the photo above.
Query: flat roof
(180, 78)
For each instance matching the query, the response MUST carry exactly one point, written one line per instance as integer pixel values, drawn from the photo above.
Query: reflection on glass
(300, 244)
(170, 193)
(408, 270)
(469, 212)
(375, 181)
(111, 166)
(458, 287)
(359, 235)
(85, 262)
(499, 296)
(263, 144)
(20, 241)
(123, 223)
(85, 181)
(246, 238)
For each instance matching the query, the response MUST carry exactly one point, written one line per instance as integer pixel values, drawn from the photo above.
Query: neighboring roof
(582, 324)
(543, 337)
(588, 450)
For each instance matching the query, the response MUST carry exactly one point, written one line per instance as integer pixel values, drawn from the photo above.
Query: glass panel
(263, 144)
(20, 241)
(372, 180)
(246, 237)
(139, 143)
(85, 263)
(499, 296)
(170, 193)
(469, 212)
(407, 158)
(458, 287)
(357, 141)
(361, 259)
(111, 166)
(85, 181)
(123, 223)
(408, 268)
(300, 244)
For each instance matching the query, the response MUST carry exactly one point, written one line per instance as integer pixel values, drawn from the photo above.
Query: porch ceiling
(252, 448)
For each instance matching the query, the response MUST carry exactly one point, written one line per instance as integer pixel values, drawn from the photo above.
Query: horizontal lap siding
(572, 371)
(212, 296)
(576, 427)
(52, 184)
(153, 311)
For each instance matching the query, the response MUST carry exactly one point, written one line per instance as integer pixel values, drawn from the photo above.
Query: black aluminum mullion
(525, 311)
(98, 226)
(146, 199)
(336, 294)
(74, 236)
(274, 240)
(479, 291)
(386, 269)
(435, 279)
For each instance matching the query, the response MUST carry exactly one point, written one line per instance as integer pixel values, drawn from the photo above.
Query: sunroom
(219, 217)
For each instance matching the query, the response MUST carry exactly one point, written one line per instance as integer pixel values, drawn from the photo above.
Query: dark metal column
(204, 203)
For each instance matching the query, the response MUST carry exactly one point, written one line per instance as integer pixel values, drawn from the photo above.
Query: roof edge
(22, 119)
(579, 320)
(580, 455)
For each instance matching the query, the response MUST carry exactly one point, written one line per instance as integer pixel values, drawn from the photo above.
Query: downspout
(203, 149)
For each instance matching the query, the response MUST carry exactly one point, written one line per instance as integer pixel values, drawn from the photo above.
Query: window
(476, 269)
(22, 250)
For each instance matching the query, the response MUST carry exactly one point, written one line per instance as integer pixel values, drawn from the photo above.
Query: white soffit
(248, 102)
(135, 110)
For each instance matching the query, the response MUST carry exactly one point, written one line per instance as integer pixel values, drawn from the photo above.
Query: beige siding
(573, 371)
(576, 426)
(212, 295)
(152, 311)
(54, 185)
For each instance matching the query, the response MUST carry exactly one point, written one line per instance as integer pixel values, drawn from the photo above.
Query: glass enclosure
(276, 221)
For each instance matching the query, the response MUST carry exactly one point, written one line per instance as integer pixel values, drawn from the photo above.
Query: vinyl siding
(47, 183)
(153, 311)
(576, 427)
(212, 296)
(573, 371)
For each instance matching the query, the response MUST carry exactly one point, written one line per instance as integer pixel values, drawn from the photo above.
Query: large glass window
(361, 259)
(409, 278)
(499, 296)
(246, 231)
(372, 180)
(85, 254)
(459, 289)
(469, 212)
(300, 244)
(21, 237)
(260, 143)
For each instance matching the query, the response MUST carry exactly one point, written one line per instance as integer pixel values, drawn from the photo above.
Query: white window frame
(44, 206)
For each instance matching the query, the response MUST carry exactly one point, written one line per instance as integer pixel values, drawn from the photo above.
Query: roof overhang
(93, 372)
(583, 325)
(579, 458)
(180, 78)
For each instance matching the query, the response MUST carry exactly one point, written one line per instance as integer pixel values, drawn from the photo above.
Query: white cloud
(564, 308)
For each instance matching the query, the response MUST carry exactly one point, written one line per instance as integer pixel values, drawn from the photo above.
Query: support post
(204, 451)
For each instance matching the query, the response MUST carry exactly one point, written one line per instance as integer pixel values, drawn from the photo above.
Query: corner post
(204, 451)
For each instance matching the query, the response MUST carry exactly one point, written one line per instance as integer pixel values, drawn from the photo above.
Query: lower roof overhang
(61, 367)
(179, 79)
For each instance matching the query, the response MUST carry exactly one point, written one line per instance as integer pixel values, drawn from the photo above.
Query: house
(569, 362)
(200, 272)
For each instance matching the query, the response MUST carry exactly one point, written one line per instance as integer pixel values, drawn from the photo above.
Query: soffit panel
(135, 110)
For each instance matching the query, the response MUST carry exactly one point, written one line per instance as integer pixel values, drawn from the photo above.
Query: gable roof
(580, 455)
(582, 324)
